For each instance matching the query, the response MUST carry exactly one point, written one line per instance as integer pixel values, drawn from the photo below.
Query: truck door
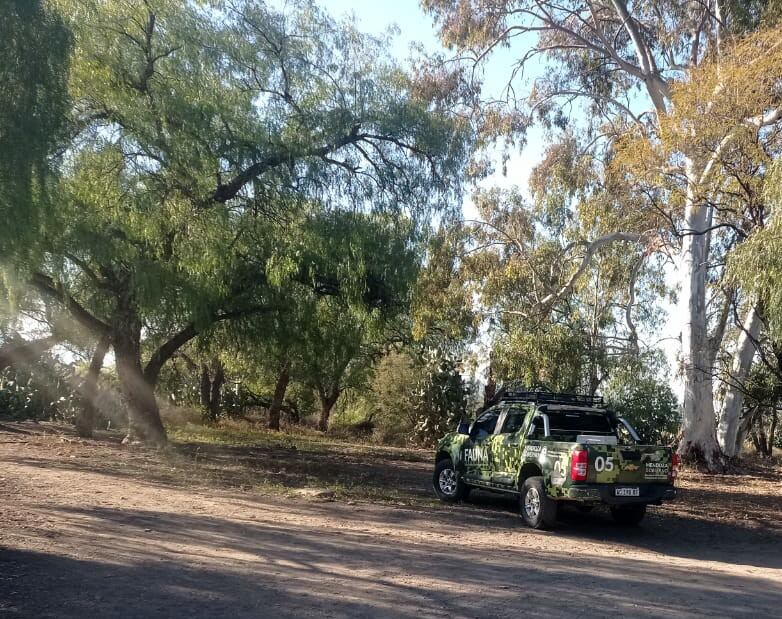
(476, 449)
(505, 449)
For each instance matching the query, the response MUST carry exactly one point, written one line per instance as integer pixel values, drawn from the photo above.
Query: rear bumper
(605, 493)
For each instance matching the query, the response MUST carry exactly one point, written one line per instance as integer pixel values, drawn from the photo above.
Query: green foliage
(646, 400)
(762, 388)
(44, 391)
(756, 264)
(224, 162)
(415, 396)
(34, 47)
(761, 408)
(558, 313)
(390, 403)
(439, 398)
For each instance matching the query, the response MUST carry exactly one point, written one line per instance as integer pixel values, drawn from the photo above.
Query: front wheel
(628, 515)
(448, 486)
(537, 509)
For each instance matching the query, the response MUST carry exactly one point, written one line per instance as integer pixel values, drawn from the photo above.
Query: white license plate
(627, 492)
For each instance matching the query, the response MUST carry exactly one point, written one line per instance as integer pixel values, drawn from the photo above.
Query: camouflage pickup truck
(550, 449)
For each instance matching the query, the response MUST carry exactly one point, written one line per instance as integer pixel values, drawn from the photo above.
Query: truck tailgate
(628, 464)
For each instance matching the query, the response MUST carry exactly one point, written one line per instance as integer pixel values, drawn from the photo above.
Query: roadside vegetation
(255, 212)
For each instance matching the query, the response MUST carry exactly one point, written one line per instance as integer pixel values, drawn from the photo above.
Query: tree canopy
(202, 138)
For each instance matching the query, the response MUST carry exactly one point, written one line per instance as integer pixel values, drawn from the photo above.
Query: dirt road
(78, 540)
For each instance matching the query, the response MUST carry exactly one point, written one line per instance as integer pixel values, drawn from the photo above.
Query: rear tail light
(675, 461)
(579, 463)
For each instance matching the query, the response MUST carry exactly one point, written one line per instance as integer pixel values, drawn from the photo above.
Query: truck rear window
(579, 422)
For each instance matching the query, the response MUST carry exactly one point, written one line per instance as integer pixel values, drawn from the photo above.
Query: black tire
(628, 515)
(447, 483)
(537, 509)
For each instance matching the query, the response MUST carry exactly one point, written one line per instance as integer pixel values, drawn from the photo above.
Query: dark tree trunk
(85, 422)
(205, 388)
(490, 390)
(212, 389)
(279, 395)
(144, 423)
(772, 431)
(327, 402)
(215, 396)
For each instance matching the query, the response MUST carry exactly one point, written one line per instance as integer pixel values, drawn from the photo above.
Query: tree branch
(47, 286)
(229, 190)
(167, 350)
(591, 248)
(25, 352)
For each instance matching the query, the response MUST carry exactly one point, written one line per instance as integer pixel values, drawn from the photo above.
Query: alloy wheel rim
(447, 481)
(532, 503)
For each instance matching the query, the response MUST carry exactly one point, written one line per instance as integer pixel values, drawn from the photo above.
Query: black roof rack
(543, 397)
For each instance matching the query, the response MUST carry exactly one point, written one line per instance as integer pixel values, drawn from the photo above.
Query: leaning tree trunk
(85, 422)
(144, 423)
(745, 425)
(699, 441)
(327, 402)
(279, 395)
(728, 429)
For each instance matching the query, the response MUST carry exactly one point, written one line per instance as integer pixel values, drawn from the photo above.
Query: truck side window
(537, 431)
(513, 421)
(484, 425)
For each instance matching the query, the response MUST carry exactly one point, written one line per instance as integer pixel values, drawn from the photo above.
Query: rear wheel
(628, 515)
(537, 509)
(448, 485)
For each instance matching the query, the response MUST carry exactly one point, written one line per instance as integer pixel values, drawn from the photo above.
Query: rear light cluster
(579, 465)
(675, 462)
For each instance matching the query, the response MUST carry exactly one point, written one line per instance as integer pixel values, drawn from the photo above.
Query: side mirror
(532, 428)
(463, 427)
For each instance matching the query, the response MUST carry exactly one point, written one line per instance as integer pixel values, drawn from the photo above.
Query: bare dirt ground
(96, 529)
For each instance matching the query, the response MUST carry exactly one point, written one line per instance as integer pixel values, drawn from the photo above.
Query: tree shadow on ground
(679, 529)
(162, 564)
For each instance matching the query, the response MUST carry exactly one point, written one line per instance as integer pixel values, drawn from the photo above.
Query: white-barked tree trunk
(728, 429)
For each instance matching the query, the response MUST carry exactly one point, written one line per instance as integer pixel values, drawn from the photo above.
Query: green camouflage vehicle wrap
(502, 461)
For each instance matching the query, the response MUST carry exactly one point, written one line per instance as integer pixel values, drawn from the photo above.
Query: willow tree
(199, 129)
(34, 49)
(618, 62)
(336, 339)
(341, 285)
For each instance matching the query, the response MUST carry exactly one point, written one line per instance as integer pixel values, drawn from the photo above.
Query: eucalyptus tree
(556, 318)
(200, 128)
(618, 63)
(741, 194)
